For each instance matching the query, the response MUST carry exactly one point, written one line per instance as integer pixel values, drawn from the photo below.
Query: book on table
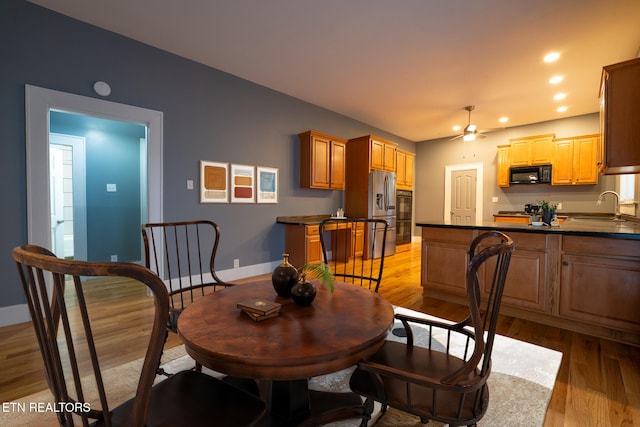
(259, 317)
(259, 306)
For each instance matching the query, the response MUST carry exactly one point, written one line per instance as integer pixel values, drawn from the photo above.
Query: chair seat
(194, 399)
(425, 363)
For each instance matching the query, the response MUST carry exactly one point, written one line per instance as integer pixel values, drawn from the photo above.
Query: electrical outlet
(494, 199)
(114, 258)
(236, 263)
(559, 206)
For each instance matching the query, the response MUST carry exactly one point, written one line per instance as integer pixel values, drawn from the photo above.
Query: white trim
(479, 167)
(38, 103)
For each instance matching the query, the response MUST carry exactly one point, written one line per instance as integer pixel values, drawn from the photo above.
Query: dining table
(336, 331)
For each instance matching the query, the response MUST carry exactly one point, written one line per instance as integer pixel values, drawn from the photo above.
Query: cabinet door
(600, 290)
(541, 150)
(520, 153)
(444, 267)
(620, 126)
(503, 165)
(408, 171)
(401, 160)
(389, 158)
(313, 246)
(338, 162)
(562, 171)
(585, 167)
(377, 155)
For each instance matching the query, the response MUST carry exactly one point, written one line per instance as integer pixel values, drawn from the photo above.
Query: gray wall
(433, 156)
(208, 115)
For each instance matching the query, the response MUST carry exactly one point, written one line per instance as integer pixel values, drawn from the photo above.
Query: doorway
(463, 194)
(39, 104)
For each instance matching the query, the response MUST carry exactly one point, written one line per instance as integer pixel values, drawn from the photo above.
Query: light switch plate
(189, 184)
(111, 188)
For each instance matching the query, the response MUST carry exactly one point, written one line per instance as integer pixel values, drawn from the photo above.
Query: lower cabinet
(600, 281)
(582, 283)
(302, 243)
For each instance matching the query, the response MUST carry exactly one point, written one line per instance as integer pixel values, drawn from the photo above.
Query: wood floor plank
(598, 382)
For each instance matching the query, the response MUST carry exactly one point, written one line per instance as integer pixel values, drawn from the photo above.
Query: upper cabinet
(404, 170)
(322, 161)
(381, 154)
(575, 160)
(532, 150)
(619, 117)
(504, 162)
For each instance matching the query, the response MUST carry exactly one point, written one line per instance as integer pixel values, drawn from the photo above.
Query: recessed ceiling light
(551, 57)
(457, 128)
(559, 96)
(562, 109)
(503, 119)
(555, 79)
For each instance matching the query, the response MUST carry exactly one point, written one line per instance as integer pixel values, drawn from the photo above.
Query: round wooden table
(333, 333)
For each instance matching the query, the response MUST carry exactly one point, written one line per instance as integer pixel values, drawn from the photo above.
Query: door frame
(479, 168)
(38, 102)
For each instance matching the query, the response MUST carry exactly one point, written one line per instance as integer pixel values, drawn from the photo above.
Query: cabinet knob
(566, 263)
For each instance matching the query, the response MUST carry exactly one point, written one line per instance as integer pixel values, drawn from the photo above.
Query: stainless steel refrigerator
(382, 199)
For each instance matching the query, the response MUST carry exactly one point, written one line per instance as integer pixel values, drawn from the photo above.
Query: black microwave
(530, 174)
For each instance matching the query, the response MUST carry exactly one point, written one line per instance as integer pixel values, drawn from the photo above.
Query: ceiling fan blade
(456, 137)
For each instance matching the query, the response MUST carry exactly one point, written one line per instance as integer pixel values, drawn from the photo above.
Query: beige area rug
(520, 385)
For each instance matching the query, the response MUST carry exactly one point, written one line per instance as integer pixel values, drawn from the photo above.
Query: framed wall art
(267, 181)
(214, 182)
(242, 184)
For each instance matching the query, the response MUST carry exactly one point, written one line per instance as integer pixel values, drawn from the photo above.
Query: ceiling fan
(470, 131)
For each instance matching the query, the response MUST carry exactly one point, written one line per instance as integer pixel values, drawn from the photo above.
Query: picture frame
(214, 182)
(242, 184)
(267, 182)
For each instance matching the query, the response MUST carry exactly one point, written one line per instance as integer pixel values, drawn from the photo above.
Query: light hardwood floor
(598, 383)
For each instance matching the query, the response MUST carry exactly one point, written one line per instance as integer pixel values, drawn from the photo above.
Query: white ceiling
(406, 66)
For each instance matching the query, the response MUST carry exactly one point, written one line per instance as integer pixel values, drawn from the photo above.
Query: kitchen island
(582, 276)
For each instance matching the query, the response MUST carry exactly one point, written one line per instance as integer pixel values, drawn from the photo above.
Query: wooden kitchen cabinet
(404, 170)
(379, 153)
(322, 161)
(445, 255)
(527, 280)
(575, 160)
(619, 112)
(600, 281)
(504, 163)
(302, 243)
(531, 150)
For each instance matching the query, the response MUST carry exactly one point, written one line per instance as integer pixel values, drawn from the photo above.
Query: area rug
(520, 384)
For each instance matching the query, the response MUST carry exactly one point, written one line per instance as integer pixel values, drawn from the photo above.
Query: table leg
(291, 403)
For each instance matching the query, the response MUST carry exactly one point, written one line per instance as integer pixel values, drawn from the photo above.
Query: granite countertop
(302, 219)
(586, 225)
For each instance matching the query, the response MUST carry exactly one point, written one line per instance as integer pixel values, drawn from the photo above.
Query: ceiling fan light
(469, 137)
(470, 128)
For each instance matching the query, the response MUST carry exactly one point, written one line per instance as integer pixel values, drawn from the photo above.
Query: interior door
(56, 182)
(463, 197)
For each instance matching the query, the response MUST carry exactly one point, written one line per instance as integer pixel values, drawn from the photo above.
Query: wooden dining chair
(354, 249)
(183, 254)
(445, 380)
(62, 316)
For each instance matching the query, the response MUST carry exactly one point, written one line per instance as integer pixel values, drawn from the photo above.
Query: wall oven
(403, 216)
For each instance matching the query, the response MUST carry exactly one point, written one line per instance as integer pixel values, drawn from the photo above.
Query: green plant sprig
(547, 206)
(321, 272)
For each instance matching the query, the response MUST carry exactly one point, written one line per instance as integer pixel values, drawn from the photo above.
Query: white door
(70, 239)
(463, 197)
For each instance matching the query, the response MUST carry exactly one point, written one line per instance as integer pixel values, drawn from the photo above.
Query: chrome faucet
(599, 202)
